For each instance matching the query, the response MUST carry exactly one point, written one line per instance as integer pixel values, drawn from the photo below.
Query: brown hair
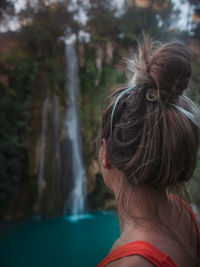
(153, 143)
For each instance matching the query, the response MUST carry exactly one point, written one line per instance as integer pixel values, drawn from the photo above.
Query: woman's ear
(105, 159)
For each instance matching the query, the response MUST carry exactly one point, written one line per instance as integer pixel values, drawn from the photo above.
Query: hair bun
(171, 69)
(166, 67)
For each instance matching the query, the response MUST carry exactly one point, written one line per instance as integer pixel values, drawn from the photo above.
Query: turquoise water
(63, 242)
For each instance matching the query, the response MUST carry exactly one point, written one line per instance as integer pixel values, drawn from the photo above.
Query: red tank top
(147, 250)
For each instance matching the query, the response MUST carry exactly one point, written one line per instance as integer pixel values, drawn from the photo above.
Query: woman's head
(150, 129)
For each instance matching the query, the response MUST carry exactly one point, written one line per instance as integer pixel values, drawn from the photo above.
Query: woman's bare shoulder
(131, 261)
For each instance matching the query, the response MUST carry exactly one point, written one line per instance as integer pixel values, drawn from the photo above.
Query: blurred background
(59, 60)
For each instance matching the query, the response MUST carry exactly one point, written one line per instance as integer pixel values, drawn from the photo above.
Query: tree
(45, 24)
(15, 105)
(155, 18)
(196, 22)
(195, 17)
(102, 23)
(6, 7)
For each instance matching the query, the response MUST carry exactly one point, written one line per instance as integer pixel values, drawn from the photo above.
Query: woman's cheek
(107, 178)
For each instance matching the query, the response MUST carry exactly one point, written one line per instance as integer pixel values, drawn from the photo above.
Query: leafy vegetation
(15, 124)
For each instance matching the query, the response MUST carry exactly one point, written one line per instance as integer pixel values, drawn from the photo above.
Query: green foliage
(136, 20)
(45, 26)
(196, 19)
(102, 22)
(56, 74)
(95, 88)
(15, 114)
(106, 23)
(6, 7)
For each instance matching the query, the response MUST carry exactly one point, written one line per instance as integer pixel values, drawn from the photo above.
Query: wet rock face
(109, 52)
(93, 170)
(40, 91)
(81, 55)
(99, 57)
(49, 175)
(67, 178)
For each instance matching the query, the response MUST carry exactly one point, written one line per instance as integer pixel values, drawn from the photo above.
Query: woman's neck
(134, 224)
(130, 231)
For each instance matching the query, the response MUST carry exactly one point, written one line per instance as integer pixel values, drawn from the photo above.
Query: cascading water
(62, 177)
(42, 157)
(77, 198)
(56, 133)
(49, 177)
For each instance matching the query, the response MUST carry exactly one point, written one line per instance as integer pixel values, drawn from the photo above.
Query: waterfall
(77, 198)
(56, 133)
(42, 154)
(49, 176)
(62, 183)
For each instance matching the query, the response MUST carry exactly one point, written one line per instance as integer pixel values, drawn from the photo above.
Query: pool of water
(69, 241)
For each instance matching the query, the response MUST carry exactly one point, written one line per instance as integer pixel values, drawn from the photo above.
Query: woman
(149, 141)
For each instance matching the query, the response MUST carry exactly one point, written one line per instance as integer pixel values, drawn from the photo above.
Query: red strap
(189, 209)
(143, 249)
(147, 250)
